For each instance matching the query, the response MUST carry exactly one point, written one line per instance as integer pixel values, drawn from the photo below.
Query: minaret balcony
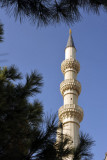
(71, 112)
(70, 84)
(70, 64)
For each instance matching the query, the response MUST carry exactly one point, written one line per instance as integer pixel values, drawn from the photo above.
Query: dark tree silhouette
(45, 147)
(1, 32)
(45, 12)
(48, 149)
(24, 133)
(19, 119)
(83, 150)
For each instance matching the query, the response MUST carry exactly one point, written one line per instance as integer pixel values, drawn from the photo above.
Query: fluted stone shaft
(70, 114)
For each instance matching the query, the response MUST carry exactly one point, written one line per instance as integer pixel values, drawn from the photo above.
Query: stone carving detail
(70, 63)
(70, 84)
(71, 110)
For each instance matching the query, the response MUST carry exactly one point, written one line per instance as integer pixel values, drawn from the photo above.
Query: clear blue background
(42, 49)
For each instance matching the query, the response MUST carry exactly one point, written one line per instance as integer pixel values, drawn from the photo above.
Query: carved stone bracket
(71, 84)
(70, 63)
(69, 111)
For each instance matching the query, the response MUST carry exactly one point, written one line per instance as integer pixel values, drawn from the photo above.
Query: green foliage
(1, 32)
(19, 119)
(24, 133)
(44, 12)
(83, 150)
(45, 147)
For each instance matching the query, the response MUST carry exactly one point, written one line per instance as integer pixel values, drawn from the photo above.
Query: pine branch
(33, 84)
(83, 150)
(1, 32)
(19, 119)
(45, 12)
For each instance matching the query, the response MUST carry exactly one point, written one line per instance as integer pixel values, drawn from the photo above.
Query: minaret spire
(70, 42)
(70, 114)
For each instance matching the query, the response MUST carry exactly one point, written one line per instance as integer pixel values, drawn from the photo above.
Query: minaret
(106, 156)
(70, 114)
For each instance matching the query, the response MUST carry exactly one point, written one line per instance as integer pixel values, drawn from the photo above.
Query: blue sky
(42, 49)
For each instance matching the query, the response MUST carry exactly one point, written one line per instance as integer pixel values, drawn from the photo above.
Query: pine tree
(19, 119)
(24, 133)
(49, 149)
(1, 32)
(45, 12)
(83, 150)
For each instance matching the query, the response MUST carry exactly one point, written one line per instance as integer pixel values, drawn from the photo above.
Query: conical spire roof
(70, 42)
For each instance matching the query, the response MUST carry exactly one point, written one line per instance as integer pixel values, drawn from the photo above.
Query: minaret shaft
(70, 52)
(70, 98)
(70, 114)
(70, 73)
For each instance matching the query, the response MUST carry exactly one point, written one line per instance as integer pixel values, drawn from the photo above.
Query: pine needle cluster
(24, 132)
(1, 32)
(19, 119)
(45, 12)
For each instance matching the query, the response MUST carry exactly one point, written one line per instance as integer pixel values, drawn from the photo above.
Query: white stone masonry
(70, 114)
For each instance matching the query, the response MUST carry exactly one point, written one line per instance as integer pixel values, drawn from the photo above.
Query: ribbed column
(70, 114)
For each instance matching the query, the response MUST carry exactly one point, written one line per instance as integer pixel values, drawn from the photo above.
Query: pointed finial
(70, 42)
(70, 31)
